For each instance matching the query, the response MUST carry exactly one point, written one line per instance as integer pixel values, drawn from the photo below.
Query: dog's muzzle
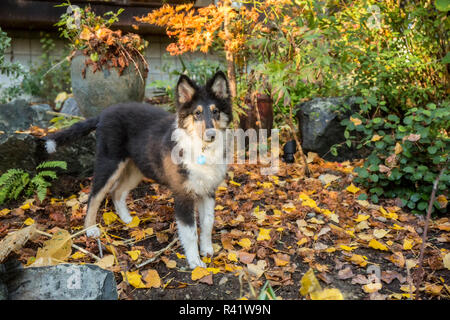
(210, 135)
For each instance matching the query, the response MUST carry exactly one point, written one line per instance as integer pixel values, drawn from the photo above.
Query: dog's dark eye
(197, 113)
(215, 111)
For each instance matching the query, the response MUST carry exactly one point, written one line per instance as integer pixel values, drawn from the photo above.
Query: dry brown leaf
(151, 278)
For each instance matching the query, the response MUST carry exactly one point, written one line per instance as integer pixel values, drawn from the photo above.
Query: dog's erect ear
(219, 85)
(186, 89)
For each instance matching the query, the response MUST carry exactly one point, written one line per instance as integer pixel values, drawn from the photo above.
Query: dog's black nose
(210, 134)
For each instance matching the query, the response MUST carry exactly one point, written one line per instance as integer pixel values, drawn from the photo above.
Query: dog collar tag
(201, 159)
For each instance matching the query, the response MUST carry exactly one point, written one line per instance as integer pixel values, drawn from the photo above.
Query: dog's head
(204, 109)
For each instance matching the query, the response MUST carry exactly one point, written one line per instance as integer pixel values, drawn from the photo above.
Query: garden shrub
(407, 154)
(51, 75)
(9, 69)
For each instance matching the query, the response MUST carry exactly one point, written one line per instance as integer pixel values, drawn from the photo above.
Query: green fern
(15, 182)
(53, 164)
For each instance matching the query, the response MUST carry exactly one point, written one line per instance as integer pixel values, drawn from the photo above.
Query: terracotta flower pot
(265, 109)
(95, 91)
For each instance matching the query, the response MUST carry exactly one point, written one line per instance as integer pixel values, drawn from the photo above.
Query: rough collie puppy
(137, 140)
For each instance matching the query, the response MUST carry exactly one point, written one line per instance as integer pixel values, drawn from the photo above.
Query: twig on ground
(65, 115)
(73, 245)
(157, 254)
(420, 271)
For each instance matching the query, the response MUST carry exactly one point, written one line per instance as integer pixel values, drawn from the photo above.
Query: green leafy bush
(51, 75)
(9, 69)
(16, 182)
(407, 154)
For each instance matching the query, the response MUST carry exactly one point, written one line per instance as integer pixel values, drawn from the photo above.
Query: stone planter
(97, 91)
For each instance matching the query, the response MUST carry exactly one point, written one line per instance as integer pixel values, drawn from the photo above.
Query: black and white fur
(136, 140)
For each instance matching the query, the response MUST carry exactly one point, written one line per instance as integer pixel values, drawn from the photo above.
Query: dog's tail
(77, 130)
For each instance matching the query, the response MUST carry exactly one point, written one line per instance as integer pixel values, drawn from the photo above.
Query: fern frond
(48, 174)
(12, 183)
(41, 193)
(8, 175)
(53, 164)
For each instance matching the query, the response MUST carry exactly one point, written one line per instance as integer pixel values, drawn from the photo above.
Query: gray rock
(25, 151)
(20, 151)
(319, 120)
(19, 115)
(71, 107)
(62, 282)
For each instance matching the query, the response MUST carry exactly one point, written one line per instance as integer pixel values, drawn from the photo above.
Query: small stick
(73, 245)
(64, 115)
(99, 243)
(158, 253)
(420, 270)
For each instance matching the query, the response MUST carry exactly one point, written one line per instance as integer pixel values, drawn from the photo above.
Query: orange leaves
(197, 28)
(193, 28)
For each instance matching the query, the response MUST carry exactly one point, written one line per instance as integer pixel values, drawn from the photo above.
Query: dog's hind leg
(129, 179)
(205, 207)
(187, 230)
(107, 172)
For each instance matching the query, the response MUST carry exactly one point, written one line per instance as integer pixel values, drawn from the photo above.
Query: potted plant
(107, 67)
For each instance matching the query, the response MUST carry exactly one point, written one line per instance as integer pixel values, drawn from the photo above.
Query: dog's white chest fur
(203, 179)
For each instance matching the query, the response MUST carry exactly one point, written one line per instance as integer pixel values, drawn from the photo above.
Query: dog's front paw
(126, 219)
(195, 262)
(206, 250)
(93, 232)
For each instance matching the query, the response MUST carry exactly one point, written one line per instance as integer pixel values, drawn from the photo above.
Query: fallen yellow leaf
(351, 188)
(309, 283)
(377, 245)
(446, 261)
(347, 248)
(245, 243)
(372, 287)
(109, 217)
(134, 254)
(180, 256)
(232, 257)
(327, 294)
(362, 217)
(134, 279)
(28, 222)
(264, 234)
(78, 255)
(4, 212)
(26, 206)
(359, 260)
(199, 273)
(408, 244)
(134, 223)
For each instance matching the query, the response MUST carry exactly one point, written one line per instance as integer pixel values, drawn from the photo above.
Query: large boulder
(95, 91)
(319, 123)
(60, 282)
(25, 151)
